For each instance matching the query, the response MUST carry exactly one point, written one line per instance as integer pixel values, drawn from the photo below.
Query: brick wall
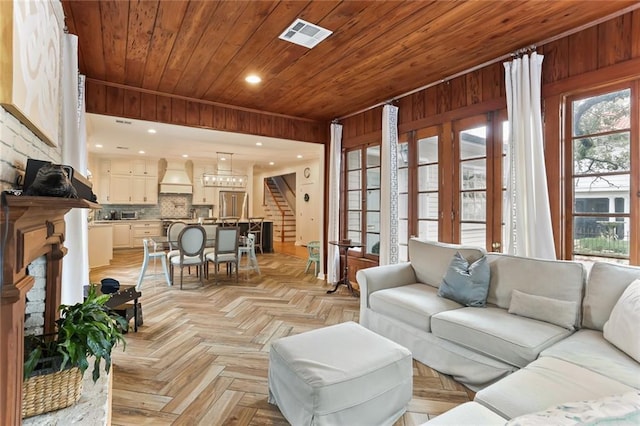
(17, 144)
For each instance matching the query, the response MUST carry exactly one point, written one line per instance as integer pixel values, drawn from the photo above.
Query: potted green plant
(84, 330)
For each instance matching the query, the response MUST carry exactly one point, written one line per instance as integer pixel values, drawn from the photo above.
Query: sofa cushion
(430, 259)
(557, 279)
(558, 312)
(605, 285)
(620, 410)
(622, 328)
(589, 349)
(493, 331)
(412, 304)
(466, 283)
(544, 383)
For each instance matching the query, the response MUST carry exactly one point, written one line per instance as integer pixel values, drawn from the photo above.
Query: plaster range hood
(176, 180)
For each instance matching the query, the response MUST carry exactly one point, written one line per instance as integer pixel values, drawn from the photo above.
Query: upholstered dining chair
(313, 249)
(226, 249)
(210, 230)
(191, 242)
(173, 231)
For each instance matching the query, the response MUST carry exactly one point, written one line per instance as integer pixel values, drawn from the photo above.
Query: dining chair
(226, 249)
(191, 242)
(210, 230)
(152, 255)
(248, 248)
(173, 231)
(256, 225)
(313, 250)
(229, 221)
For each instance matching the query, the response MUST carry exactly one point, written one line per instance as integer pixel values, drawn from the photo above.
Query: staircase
(277, 209)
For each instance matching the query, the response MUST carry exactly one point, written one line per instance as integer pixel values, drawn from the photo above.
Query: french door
(477, 181)
(451, 182)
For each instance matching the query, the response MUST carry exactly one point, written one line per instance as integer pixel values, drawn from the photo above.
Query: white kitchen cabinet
(121, 235)
(121, 166)
(120, 189)
(104, 182)
(145, 229)
(202, 194)
(126, 181)
(144, 190)
(100, 245)
(144, 168)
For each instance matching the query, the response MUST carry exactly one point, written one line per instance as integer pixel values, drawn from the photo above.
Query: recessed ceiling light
(223, 159)
(258, 143)
(271, 163)
(141, 152)
(298, 156)
(185, 155)
(253, 79)
(98, 145)
(152, 131)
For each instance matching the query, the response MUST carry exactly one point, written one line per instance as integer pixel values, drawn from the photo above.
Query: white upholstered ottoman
(343, 374)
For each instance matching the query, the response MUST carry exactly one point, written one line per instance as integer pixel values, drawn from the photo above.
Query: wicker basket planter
(50, 392)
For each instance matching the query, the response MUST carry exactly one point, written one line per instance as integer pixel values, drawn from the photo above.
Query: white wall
(309, 215)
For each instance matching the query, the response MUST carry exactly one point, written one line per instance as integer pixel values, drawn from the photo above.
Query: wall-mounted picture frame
(30, 46)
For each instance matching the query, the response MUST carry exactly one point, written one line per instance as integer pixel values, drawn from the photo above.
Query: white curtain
(333, 231)
(75, 265)
(389, 247)
(527, 213)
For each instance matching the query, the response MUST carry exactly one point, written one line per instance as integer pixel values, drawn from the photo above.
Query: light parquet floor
(201, 357)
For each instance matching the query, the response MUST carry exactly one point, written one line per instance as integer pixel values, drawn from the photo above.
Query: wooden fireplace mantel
(30, 227)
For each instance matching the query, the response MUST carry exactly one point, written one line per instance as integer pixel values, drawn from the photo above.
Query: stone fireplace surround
(30, 227)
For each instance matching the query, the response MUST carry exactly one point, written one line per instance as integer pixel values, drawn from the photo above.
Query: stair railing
(267, 188)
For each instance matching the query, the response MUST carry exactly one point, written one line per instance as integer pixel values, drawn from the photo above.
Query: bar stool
(256, 225)
(145, 262)
(249, 249)
(229, 221)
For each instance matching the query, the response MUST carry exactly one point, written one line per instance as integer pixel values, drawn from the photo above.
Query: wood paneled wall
(121, 101)
(600, 55)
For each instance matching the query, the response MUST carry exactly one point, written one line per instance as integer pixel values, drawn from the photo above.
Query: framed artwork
(30, 64)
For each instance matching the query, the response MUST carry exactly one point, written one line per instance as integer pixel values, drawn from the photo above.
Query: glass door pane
(372, 237)
(473, 186)
(354, 195)
(403, 200)
(428, 186)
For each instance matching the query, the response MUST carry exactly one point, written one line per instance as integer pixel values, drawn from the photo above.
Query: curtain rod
(498, 59)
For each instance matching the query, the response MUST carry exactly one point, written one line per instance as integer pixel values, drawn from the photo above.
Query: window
(363, 198)
(600, 166)
(428, 185)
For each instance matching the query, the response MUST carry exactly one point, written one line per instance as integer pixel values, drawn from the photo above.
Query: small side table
(344, 246)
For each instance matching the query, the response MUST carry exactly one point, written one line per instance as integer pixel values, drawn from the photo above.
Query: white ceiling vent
(305, 34)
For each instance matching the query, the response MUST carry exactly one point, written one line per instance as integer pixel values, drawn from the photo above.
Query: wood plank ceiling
(378, 50)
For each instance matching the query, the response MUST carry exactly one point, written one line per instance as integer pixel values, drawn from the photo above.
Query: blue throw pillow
(466, 284)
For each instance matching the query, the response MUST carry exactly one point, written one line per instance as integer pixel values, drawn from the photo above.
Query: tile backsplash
(169, 205)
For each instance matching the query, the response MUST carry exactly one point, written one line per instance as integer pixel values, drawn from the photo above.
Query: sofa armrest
(381, 277)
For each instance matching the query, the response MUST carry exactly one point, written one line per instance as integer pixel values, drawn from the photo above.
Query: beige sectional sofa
(518, 363)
